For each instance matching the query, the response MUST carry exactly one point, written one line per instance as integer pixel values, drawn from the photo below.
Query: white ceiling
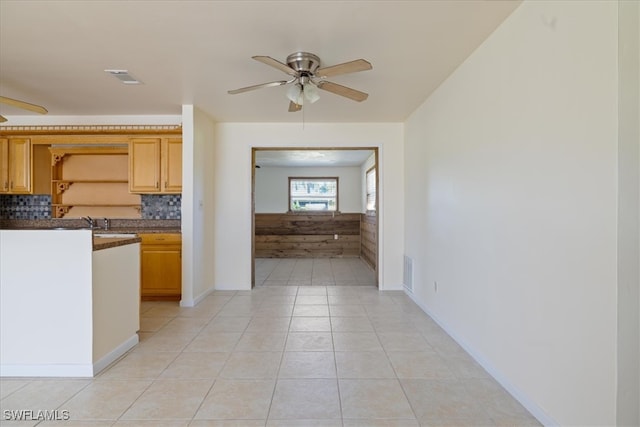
(53, 53)
(311, 158)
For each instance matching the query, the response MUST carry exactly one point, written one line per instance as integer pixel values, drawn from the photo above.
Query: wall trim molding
(89, 129)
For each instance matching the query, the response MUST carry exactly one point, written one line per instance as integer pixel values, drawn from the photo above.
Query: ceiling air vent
(124, 77)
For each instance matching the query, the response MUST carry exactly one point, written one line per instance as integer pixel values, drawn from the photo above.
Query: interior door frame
(376, 165)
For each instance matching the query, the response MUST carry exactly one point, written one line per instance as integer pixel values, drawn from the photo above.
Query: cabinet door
(144, 165)
(161, 266)
(161, 271)
(4, 165)
(20, 165)
(172, 165)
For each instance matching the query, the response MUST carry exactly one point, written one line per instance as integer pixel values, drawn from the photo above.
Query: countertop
(100, 243)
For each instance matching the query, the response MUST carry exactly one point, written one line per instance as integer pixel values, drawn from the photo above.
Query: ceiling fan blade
(24, 105)
(260, 86)
(276, 64)
(344, 68)
(347, 92)
(293, 107)
(3, 119)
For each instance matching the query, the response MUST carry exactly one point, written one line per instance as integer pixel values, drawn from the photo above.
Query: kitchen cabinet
(15, 166)
(161, 266)
(155, 165)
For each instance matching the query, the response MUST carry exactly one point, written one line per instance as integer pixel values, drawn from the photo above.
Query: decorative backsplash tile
(15, 206)
(161, 206)
(154, 206)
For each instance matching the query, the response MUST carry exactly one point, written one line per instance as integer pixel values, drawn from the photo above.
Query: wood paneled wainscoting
(308, 235)
(369, 239)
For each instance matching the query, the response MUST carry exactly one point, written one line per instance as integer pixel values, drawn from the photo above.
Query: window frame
(375, 193)
(314, 178)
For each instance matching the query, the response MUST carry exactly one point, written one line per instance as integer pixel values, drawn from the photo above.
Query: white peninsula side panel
(45, 303)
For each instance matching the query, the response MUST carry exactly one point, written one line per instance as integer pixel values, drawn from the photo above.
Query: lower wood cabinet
(161, 266)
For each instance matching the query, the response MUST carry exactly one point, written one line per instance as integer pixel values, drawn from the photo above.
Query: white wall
(510, 205)
(272, 187)
(197, 205)
(232, 189)
(628, 404)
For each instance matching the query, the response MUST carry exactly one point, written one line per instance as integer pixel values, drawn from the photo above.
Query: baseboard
(198, 299)
(115, 354)
(535, 410)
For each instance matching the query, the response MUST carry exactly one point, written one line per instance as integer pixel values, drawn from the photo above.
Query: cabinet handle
(157, 184)
(11, 185)
(6, 185)
(165, 184)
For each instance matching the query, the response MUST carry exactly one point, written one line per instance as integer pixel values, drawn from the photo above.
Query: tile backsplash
(19, 206)
(154, 206)
(161, 206)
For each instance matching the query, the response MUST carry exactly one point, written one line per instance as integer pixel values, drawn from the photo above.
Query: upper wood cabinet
(155, 165)
(15, 166)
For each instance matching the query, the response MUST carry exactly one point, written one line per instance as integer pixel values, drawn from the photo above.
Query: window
(371, 189)
(313, 194)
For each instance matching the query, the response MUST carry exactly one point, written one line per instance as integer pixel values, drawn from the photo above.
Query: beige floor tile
(356, 341)
(311, 310)
(464, 367)
(8, 386)
(274, 310)
(227, 423)
(227, 324)
(169, 399)
(501, 407)
(214, 342)
(139, 365)
(269, 324)
(279, 300)
(403, 341)
(347, 310)
(164, 310)
(181, 325)
(252, 365)
(313, 291)
(196, 365)
(363, 364)
(310, 324)
(42, 395)
(343, 299)
(237, 399)
(308, 364)
(351, 324)
(159, 342)
(153, 324)
(309, 341)
(311, 299)
(305, 399)
(68, 423)
(443, 400)
(419, 364)
(362, 399)
(304, 423)
(105, 400)
(261, 341)
(151, 423)
(382, 423)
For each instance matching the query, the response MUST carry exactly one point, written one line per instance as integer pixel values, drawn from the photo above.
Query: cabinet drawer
(160, 238)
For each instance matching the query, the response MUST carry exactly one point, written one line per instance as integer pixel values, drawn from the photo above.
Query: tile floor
(319, 271)
(321, 355)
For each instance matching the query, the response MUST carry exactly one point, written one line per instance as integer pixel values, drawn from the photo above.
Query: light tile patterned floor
(320, 355)
(314, 272)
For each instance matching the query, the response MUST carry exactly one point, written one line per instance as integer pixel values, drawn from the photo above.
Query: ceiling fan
(21, 104)
(307, 77)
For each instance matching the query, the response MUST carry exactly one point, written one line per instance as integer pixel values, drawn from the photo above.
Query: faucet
(105, 223)
(89, 221)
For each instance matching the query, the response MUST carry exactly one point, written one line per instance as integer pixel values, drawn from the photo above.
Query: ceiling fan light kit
(308, 77)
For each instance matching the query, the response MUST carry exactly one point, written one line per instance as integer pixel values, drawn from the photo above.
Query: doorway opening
(314, 216)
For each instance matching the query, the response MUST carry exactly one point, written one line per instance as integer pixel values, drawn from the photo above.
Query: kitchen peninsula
(69, 301)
